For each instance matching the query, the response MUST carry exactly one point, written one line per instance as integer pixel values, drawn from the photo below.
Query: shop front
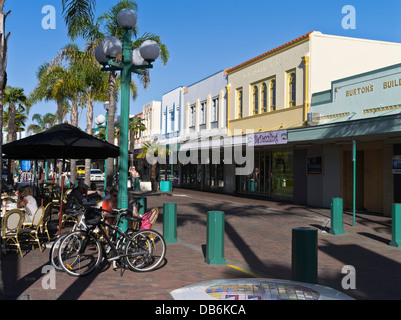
(355, 129)
(205, 174)
(272, 175)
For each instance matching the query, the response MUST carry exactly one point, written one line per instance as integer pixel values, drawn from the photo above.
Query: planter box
(145, 186)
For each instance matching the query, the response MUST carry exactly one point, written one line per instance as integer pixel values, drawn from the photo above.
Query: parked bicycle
(81, 251)
(80, 225)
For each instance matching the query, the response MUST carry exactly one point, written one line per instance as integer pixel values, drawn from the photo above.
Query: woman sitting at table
(25, 199)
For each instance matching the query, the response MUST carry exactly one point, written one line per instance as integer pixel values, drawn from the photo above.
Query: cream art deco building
(272, 92)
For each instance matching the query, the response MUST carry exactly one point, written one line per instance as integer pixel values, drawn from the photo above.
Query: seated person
(109, 205)
(93, 193)
(107, 193)
(79, 193)
(76, 199)
(25, 199)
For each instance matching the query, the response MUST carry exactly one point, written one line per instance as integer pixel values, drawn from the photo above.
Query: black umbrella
(63, 141)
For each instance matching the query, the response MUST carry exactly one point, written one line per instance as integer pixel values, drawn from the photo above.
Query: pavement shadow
(231, 231)
(371, 282)
(12, 286)
(374, 237)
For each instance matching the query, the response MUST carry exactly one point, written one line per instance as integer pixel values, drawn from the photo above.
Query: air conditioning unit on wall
(313, 118)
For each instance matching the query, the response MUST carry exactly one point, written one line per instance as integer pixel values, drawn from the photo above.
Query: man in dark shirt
(79, 193)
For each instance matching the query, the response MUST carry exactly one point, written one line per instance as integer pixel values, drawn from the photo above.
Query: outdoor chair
(71, 211)
(31, 233)
(10, 227)
(46, 218)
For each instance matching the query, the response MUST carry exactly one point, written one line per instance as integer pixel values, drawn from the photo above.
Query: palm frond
(77, 14)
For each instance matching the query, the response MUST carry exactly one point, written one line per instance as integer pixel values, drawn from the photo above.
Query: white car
(97, 175)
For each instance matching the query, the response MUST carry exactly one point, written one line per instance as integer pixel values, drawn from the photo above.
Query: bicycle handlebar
(123, 214)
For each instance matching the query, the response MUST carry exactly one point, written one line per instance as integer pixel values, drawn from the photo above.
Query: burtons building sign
(370, 87)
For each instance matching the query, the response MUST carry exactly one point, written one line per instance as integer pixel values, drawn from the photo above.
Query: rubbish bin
(166, 186)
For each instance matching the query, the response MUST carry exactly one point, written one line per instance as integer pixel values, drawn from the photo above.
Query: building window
(202, 113)
(239, 103)
(255, 100)
(273, 95)
(215, 110)
(192, 116)
(171, 114)
(291, 89)
(264, 97)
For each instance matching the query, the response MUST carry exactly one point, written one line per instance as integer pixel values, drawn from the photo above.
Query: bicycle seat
(132, 218)
(118, 211)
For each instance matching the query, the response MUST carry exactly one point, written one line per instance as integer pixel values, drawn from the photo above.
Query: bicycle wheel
(53, 255)
(145, 250)
(79, 253)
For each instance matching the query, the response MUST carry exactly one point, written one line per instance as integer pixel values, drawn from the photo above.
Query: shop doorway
(258, 182)
(369, 180)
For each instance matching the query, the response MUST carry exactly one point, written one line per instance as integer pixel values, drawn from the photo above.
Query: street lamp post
(106, 107)
(132, 61)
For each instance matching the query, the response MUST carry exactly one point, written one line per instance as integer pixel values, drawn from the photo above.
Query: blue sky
(203, 37)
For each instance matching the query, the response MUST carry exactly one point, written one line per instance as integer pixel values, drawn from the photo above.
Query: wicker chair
(10, 227)
(32, 232)
(46, 218)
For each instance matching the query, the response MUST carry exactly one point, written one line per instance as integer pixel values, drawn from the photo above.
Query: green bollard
(142, 205)
(136, 184)
(215, 238)
(396, 225)
(304, 255)
(337, 216)
(170, 222)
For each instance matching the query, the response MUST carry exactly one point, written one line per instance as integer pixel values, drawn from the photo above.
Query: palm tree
(16, 100)
(12, 97)
(95, 85)
(45, 89)
(20, 118)
(155, 149)
(77, 12)
(135, 126)
(93, 33)
(62, 83)
(42, 121)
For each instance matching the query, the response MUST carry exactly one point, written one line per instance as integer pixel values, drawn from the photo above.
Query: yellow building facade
(270, 92)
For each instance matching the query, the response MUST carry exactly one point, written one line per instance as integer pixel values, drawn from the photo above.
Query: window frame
(291, 89)
(255, 102)
(202, 112)
(272, 94)
(215, 109)
(192, 116)
(239, 103)
(263, 96)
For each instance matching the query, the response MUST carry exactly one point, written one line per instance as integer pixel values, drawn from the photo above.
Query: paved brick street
(257, 243)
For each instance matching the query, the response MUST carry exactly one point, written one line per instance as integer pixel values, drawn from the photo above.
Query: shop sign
(397, 165)
(267, 138)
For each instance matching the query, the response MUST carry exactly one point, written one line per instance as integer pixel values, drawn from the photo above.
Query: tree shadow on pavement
(377, 277)
(14, 287)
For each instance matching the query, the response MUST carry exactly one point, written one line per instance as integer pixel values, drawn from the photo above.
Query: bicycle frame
(100, 225)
